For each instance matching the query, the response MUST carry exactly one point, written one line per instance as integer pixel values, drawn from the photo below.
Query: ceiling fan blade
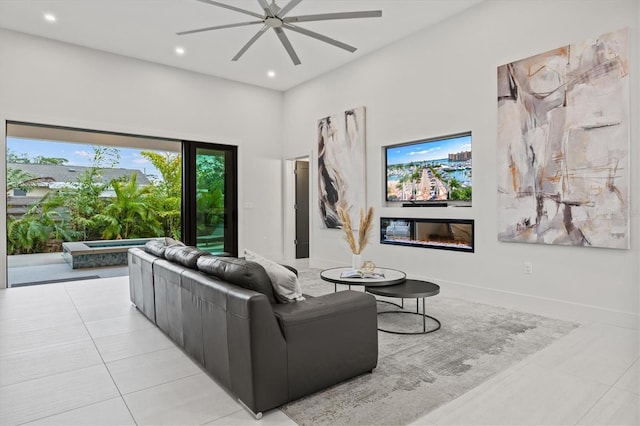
(250, 42)
(287, 45)
(287, 8)
(218, 27)
(267, 9)
(321, 37)
(338, 15)
(236, 9)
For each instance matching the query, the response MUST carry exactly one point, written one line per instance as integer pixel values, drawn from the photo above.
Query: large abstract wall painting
(563, 145)
(341, 166)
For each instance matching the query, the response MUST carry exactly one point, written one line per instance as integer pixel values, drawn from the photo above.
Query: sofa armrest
(295, 316)
(329, 338)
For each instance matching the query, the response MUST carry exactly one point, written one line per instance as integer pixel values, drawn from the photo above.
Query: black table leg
(423, 315)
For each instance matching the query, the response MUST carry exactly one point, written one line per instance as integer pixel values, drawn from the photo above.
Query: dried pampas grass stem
(366, 224)
(348, 231)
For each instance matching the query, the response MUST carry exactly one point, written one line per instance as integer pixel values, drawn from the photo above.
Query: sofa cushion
(157, 247)
(171, 242)
(240, 272)
(186, 256)
(285, 282)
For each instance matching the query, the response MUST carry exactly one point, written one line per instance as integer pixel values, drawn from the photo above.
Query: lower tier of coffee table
(403, 312)
(409, 289)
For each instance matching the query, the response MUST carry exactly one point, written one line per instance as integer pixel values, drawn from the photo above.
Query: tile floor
(79, 353)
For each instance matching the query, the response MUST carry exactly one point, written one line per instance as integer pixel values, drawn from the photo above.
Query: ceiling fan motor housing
(273, 22)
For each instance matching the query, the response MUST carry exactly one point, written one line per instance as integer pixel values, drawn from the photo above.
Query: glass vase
(356, 262)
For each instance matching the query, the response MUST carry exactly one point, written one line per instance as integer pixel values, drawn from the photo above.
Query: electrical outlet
(528, 268)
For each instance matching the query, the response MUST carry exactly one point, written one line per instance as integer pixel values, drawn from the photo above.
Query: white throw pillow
(284, 281)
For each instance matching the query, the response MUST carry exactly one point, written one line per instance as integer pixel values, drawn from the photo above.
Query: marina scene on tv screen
(430, 170)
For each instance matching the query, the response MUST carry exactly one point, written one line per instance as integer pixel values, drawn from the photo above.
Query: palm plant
(166, 198)
(129, 215)
(84, 199)
(42, 223)
(19, 179)
(52, 215)
(25, 235)
(454, 183)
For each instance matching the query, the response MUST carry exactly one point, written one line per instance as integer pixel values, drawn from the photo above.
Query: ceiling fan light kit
(275, 18)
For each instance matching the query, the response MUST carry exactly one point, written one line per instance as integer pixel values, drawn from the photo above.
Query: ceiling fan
(276, 18)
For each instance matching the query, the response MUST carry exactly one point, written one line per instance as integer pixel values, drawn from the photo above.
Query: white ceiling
(146, 29)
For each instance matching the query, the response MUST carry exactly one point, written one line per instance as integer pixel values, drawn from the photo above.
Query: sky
(79, 154)
(428, 150)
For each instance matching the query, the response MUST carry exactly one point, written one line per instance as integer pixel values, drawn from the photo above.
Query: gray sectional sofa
(223, 312)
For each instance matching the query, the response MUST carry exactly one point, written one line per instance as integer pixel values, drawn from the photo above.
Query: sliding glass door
(71, 192)
(68, 185)
(211, 186)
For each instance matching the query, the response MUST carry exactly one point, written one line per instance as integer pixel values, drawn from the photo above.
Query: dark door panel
(302, 209)
(210, 221)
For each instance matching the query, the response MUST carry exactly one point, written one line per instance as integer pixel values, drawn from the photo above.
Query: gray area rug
(418, 373)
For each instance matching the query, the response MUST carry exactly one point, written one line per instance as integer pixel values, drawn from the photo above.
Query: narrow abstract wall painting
(563, 145)
(341, 166)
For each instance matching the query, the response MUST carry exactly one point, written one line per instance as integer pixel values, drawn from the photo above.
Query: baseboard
(538, 305)
(552, 308)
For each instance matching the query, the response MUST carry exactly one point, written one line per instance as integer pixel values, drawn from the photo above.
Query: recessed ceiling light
(50, 17)
(180, 51)
(271, 74)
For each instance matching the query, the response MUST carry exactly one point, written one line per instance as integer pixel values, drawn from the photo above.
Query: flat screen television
(433, 171)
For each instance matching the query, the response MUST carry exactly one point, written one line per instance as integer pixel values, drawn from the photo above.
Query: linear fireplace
(442, 234)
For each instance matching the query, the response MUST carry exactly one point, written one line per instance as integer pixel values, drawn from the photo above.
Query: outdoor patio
(44, 268)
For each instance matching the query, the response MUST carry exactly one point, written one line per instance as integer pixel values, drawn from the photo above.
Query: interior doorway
(301, 206)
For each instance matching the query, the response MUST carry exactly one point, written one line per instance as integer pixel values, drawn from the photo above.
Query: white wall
(443, 81)
(48, 82)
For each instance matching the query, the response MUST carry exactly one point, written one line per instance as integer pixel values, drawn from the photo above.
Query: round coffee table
(407, 290)
(391, 277)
